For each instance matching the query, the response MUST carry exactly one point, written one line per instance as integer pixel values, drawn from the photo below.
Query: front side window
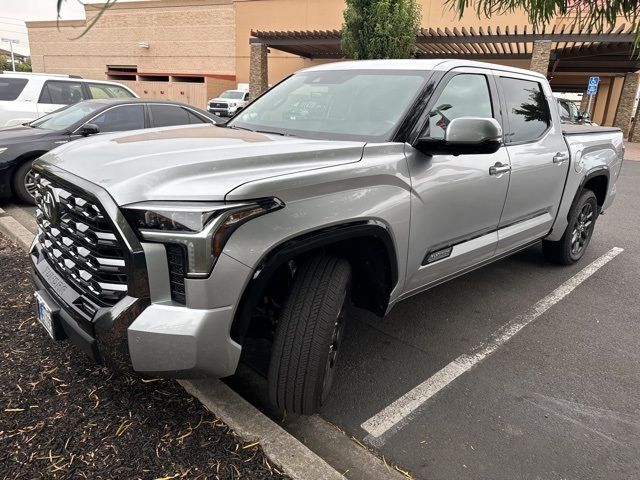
(466, 95)
(11, 88)
(104, 90)
(527, 108)
(61, 93)
(364, 105)
(121, 119)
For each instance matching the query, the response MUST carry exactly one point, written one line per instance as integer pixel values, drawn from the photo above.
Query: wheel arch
(369, 247)
(596, 180)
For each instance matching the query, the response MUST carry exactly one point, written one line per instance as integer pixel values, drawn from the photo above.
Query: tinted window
(61, 93)
(103, 90)
(168, 115)
(118, 119)
(10, 88)
(527, 108)
(193, 118)
(466, 95)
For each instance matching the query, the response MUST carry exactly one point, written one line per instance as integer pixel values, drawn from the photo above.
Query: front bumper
(144, 330)
(223, 112)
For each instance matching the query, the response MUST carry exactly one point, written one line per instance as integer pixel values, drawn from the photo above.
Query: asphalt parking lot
(557, 400)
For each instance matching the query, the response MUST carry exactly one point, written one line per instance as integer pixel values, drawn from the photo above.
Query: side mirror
(88, 129)
(464, 135)
(585, 117)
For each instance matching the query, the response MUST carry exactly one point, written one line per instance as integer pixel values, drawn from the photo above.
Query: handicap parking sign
(591, 89)
(594, 81)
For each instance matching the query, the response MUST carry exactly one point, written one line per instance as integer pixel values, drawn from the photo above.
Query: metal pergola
(572, 49)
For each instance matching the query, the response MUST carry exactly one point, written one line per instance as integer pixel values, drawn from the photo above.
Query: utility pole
(11, 42)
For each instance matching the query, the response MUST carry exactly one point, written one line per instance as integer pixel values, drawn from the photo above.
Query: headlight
(202, 229)
(232, 104)
(2, 150)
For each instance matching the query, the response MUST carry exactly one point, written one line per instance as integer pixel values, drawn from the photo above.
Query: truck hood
(192, 163)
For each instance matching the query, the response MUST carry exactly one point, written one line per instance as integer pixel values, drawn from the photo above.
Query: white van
(27, 96)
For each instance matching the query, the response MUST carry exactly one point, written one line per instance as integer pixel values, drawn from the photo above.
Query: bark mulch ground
(63, 417)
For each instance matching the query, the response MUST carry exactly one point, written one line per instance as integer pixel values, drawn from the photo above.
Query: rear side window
(169, 115)
(11, 88)
(527, 108)
(193, 118)
(103, 90)
(61, 93)
(120, 119)
(466, 95)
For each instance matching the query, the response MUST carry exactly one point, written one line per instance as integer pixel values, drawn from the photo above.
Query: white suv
(27, 96)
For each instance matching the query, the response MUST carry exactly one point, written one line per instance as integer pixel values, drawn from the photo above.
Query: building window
(122, 72)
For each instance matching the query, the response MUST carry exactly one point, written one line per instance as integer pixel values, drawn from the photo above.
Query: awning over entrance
(571, 50)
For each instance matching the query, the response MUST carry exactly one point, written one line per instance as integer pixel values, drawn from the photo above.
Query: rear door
(539, 159)
(456, 201)
(59, 93)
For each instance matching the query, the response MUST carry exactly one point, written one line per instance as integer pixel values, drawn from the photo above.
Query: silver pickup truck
(172, 250)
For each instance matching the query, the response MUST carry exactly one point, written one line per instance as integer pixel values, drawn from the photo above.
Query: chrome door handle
(560, 157)
(499, 168)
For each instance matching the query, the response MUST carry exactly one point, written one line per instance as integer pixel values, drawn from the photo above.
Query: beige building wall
(184, 37)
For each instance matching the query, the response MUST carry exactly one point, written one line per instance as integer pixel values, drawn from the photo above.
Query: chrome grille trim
(78, 242)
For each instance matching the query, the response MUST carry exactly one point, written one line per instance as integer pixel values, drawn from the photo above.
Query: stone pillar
(258, 70)
(541, 56)
(624, 112)
(634, 133)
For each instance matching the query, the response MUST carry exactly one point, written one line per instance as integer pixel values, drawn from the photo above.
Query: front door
(539, 160)
(456, 201)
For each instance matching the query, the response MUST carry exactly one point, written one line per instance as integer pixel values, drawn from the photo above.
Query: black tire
(308, 336)
(20, 179)
(582, 220)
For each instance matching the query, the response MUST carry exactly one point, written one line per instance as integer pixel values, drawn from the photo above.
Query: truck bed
(583, 129)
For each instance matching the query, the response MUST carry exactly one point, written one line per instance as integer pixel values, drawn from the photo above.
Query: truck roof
(416, 64)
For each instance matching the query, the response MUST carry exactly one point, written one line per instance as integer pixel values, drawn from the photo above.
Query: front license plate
(45, 316)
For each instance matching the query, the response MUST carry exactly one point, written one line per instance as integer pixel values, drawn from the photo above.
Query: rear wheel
(582, 219)
(309, 336)
(24, 186)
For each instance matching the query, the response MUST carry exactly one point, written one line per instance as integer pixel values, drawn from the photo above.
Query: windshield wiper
(284, 134)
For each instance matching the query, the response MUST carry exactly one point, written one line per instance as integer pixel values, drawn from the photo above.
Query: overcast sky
(13, 14)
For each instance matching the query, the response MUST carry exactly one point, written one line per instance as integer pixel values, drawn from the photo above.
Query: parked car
(20, 145)
(170, 251)
(228, 103)
(27, 96)
(569, 113)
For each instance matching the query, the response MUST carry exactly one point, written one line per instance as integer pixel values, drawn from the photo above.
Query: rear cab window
(527, 109)
(104, 90)
(11, 88)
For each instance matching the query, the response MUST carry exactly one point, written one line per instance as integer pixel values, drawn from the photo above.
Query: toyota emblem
(50, 207)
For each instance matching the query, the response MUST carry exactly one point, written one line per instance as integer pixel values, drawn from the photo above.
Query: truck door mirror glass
(464, 135)
(585, 117)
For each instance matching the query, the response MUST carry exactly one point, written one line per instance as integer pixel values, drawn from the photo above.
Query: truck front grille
(218, 105)
(78, 242)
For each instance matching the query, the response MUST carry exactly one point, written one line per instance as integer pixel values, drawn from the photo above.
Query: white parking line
(392, 418)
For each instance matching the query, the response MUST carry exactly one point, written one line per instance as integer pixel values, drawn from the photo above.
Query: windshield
(364, 105)
(232, 95)
(64, 118)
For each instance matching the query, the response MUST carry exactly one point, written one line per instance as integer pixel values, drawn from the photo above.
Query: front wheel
(309, 336)
(24, 185)
(582, 220)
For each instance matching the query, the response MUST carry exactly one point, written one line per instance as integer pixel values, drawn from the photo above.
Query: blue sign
(592, 89)
(594, 81)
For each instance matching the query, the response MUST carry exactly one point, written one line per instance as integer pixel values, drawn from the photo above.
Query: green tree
(24, 66)
(5, 63)
(380, 28)
(589, 14)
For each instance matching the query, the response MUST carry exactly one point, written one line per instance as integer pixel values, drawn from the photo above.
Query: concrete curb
(13, 230)
(297, 460)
